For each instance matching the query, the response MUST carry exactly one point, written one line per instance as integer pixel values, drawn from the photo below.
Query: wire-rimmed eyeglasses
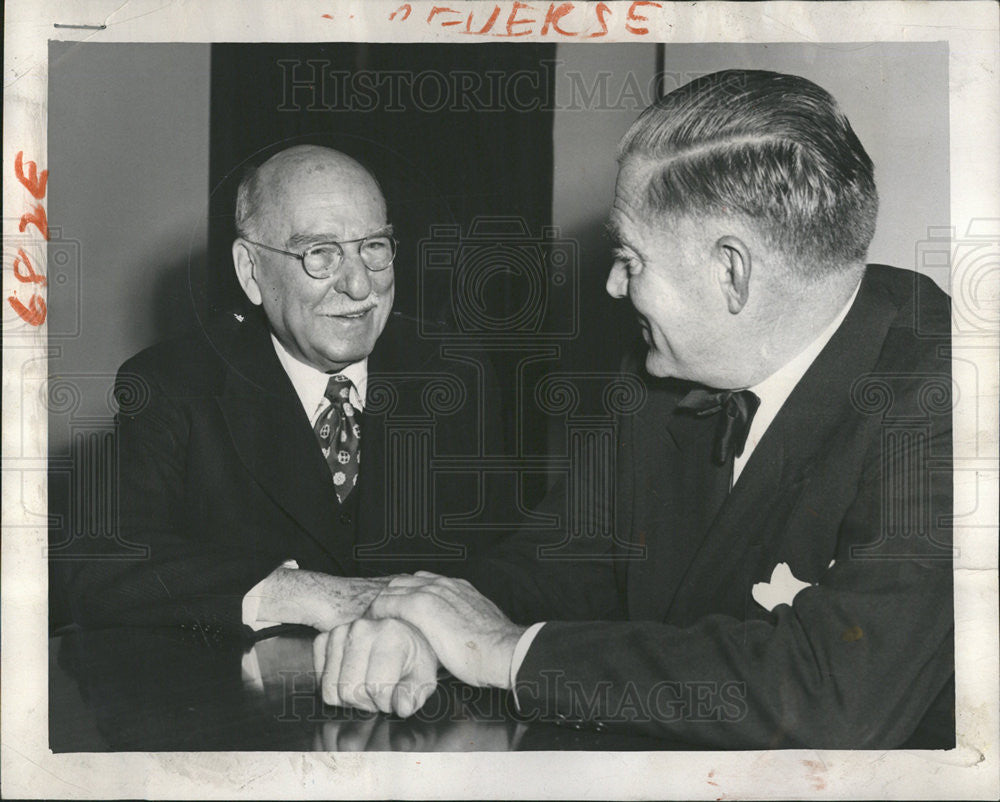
(323, 259)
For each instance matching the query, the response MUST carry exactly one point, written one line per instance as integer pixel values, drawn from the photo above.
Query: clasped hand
(388, 659)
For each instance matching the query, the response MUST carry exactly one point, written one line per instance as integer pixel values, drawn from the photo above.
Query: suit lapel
(690, 570)
(274, 440)
(725, 552)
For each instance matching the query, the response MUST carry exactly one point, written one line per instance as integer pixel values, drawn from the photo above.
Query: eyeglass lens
(322, 260)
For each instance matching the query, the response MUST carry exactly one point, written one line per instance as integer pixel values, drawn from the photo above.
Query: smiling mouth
(353, 315)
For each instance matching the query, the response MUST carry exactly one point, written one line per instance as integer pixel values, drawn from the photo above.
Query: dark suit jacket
(222, 479)
(855, 468)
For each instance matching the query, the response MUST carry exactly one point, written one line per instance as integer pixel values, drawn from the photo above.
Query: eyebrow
(308, 240)
(618, 242)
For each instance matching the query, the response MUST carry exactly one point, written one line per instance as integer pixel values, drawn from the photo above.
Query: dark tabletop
(181, 690)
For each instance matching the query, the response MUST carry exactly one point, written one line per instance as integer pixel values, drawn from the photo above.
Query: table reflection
(171, 689)
(164, 690)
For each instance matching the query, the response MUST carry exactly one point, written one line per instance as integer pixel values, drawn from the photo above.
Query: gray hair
(248, 201)
(773, 149)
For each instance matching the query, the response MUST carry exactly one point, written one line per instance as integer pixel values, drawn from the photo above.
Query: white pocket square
(782, 589)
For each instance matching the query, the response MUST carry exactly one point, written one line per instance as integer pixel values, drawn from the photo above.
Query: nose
(353, 278)
(617, 283)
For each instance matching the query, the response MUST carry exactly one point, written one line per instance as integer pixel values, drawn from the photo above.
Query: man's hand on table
(388, 660)
(290, 596)
(468, 633)
(384, 665)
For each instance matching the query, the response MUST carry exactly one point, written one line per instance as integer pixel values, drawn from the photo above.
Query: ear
(734, 273)
(243, 259)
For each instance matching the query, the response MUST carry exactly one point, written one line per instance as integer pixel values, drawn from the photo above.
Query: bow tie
(737, 408)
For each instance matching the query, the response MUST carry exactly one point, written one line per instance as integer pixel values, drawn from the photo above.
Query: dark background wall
(400, 110)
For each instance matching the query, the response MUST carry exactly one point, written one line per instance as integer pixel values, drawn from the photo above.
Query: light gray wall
(895, 95)
(128, 190)
(595, 104)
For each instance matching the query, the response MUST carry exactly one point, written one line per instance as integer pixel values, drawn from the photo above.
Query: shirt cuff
(520, 652)
(251, 601)
(250, 670)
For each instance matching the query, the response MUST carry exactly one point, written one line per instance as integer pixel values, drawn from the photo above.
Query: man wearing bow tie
(253, 464)
(785, 490)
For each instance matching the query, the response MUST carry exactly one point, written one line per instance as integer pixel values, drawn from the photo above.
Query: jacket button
(345, 518)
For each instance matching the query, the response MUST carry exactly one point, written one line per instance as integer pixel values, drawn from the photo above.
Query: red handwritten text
(565, 19)
(37, 218)
(33, 182)
(633, 17)
(28, 274)
(24, 271)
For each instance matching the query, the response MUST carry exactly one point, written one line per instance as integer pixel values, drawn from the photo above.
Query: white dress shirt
(772, 392)
(310, 383)
(775, 389)
(310, 386)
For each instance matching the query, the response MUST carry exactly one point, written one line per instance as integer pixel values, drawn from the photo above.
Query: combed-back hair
(771, 148)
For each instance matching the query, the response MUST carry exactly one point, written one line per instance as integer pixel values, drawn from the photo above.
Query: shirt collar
(310, 383)
(775, 389)
(779, 385)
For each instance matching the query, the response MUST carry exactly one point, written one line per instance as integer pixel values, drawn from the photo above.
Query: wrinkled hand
(318, 600)
(382, 666)
(469, 634)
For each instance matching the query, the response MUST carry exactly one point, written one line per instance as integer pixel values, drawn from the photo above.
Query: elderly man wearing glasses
(240, 446)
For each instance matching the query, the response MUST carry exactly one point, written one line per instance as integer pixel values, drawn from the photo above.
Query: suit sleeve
(854, 662)
(183, 578)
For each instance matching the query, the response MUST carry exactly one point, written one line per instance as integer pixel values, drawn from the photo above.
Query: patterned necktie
(339, 434)
(737, 408)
